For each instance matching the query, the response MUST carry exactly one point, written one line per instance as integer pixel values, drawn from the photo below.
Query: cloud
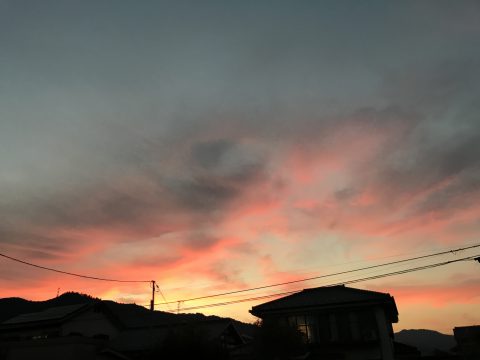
(461, 292)
(221, 170)
(141, 204)
(160, 141)
(211, 154)
(396, 174)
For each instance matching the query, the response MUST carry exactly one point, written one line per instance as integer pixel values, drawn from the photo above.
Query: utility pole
(152, 302)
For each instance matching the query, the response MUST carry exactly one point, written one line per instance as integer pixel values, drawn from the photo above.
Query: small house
(337, 322)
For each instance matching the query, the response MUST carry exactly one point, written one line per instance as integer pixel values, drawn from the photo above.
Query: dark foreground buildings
(337, 322)
(107, 330)
(328, 323)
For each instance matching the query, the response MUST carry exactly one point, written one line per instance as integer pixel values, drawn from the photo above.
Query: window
(343, 327)
(355, 326)
(367, 325)
(347, 327)
(352, 326)
(324, 328)
(306, 324)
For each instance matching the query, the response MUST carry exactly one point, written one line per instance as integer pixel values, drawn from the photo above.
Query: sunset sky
(221, 145)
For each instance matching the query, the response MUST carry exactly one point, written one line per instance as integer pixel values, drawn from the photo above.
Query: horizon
(216, 147)
(251, 322)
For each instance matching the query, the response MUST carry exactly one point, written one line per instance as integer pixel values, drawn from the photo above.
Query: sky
(224, 145)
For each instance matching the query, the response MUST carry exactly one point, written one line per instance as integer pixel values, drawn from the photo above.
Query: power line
(303, 271)
(453, 251)
(164, 298)
(73, 274)
(374, 277)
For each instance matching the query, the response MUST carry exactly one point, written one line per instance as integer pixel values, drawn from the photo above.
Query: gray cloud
(436, 159)
(149, 204)
(221, 171)
(145, 117)
(209, 154)
(27, 238)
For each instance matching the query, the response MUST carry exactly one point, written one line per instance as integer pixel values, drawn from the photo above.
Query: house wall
(361, 354)
(468, 340)
(386, 341)
(357, 333)
(71, 348)
(30, 333)
(89, 323)
(337, 325)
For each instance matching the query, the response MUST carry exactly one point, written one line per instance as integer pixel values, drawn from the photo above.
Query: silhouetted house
(406, 352)
(173, 340)
(84, 319)
(104, 330)
(337, 322)
(468, 340)
(63, 332)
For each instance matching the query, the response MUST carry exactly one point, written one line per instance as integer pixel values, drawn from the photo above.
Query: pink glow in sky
(199, 147)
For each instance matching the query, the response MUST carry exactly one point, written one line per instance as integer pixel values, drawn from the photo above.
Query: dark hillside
(427, 341)
(130, 315)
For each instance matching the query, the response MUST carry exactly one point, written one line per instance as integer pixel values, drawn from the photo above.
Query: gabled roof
(56, 315)
(327, 297)
(50, 314)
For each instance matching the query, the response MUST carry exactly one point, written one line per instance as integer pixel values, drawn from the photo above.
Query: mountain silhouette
(131, 314)
(428, 342)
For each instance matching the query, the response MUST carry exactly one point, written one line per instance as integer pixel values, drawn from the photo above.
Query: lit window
(306, 324)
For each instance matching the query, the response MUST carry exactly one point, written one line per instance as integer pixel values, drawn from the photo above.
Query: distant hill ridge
(427, 341)
(11, 307)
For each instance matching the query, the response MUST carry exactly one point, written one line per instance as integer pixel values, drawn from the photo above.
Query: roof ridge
(343, 286)
(323, 296)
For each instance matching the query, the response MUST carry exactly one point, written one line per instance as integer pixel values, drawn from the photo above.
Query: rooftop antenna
(58, 292)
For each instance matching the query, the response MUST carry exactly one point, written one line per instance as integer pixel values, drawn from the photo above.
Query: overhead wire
(374, 277)
(72, 274)
(340, 279)
(163, 297)
(331, 266)
(451, 251)
(81, 275)
(309, 270)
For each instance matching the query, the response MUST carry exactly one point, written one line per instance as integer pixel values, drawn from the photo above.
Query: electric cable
(72, 274)
(374, 277)
(452, 251)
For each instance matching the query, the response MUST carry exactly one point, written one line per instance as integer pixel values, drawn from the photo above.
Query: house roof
(50, 314)
(463, 333)
(56, 315)
(327, 297)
